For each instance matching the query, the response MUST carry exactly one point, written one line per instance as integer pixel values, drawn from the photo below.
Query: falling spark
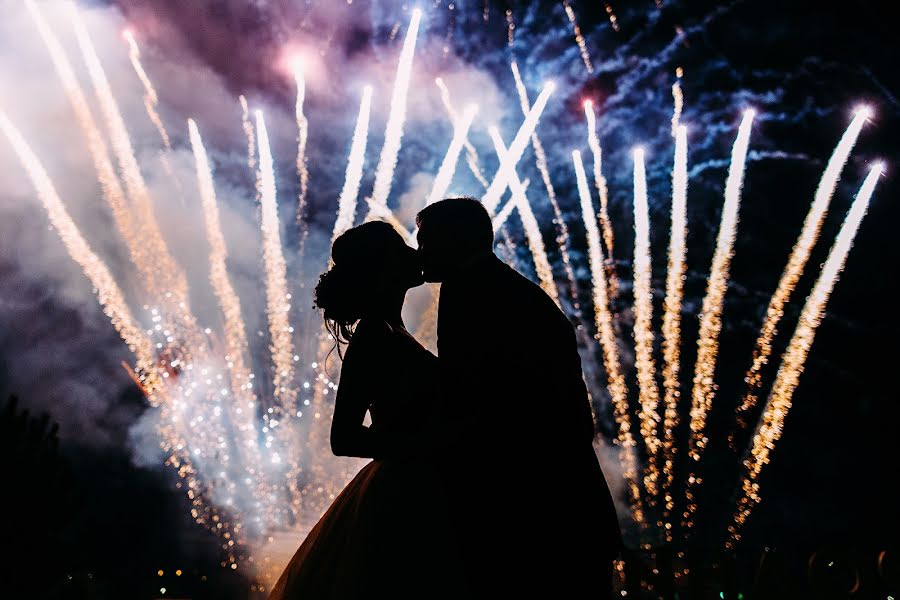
(247, 125)
(711, 311)
(510, 27)
(448, 165)
(672, 318)
(771, 424)
(170, 274)
(600, 183)
(579, 39)
(393, 134)
(606, 331)
(797, 261)
(471, 153)
(643, 332)
(108, 293)
(612, 17)
(562, 230)
(529, 223)
(492, 195)
(302, 135)
(349, 193)
(106, 174)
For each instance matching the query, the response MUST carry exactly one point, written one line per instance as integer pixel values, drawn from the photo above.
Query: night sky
(803, 66)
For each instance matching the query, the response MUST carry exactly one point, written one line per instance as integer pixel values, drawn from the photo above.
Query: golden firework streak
(600, 183)
(771, 424)
(529, 223)
(643, 328)
(672, 319)
(711, 311)
(349, 193)
(797, 261)
(562, 230)
(606, 332)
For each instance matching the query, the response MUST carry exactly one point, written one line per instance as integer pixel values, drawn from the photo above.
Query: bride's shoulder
(370, 332)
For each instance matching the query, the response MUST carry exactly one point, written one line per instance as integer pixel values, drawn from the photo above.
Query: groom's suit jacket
(524, 480)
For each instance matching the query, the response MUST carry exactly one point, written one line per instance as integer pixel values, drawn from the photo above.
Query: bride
(386, 534)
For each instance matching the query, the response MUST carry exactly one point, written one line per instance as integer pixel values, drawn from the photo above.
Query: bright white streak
(106, 173)
(643, 332)
(672, 317)
(170, 273)
(771, 424)
(529, 222)
(448, 165)
(492, 196)
(562, 230)
(109, 295)
(247, 126)
(799, 256)
(393, 134)
(677, 106)
(711, 311)
(471, 153)
(302, 135)
(606, 331)
(352, 177)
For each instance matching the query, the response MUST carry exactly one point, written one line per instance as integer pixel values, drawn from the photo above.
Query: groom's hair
(464, 221)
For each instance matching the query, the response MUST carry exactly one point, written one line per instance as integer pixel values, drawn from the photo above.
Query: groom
(532, 512)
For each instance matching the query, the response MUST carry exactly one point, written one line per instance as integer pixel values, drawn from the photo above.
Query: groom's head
(452, 234)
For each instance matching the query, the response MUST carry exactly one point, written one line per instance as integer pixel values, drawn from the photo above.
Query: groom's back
(530, 482)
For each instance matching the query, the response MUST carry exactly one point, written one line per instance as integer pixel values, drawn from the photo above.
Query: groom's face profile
(433, 267)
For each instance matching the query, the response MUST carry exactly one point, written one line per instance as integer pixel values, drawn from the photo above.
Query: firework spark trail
(242, 411)
(643, 331)
(278, 306)
(106, 174)
(711, 311)
(600, 183)
(606, 332)
(562, 230)
(508, 163)
(797, 261)
(302, 170)
(169, 273)
(108, 293)
(579, 39)
(771, 424)
(672, 319)
(393, 134)
(151, 98)
(448, 165)
(247, 126)
(529, 223)
(471, 153)
(349, 193)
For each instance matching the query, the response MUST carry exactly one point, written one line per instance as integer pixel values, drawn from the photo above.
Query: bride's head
(371, 272)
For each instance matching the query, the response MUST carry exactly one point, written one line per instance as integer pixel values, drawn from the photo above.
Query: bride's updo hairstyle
(365, 259)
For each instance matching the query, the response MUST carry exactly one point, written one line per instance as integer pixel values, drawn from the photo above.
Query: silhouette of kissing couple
(484, 482)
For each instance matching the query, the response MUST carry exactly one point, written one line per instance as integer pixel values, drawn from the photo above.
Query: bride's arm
(349, 437)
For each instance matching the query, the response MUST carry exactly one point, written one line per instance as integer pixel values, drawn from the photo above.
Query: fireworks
(393, 133)
(562, 230)
(512, 157)
(603, 321)
(579, 39)
(771, 425)
(237, 442)
(448, 165)
(797, 261)
(711, 312)
(672, 317)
